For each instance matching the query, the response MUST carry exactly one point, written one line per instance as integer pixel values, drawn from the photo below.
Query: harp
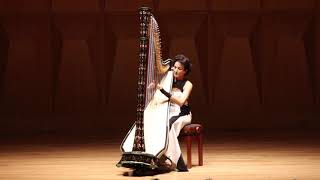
(147, 139)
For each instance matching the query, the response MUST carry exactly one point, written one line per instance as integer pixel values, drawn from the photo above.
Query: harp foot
(119, 164)
(138, 160)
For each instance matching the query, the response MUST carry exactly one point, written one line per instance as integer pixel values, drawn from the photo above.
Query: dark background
(70, 66)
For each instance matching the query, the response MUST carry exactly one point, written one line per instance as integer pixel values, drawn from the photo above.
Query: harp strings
(154, 73)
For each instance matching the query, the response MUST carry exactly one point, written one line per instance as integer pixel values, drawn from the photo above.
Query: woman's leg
(174, 152)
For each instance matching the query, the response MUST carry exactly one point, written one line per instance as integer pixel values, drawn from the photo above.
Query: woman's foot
(181, 166)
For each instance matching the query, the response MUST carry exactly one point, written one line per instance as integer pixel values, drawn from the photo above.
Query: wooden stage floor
(227, 156)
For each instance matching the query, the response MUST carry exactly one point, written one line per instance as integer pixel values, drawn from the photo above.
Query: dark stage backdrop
(71, 65)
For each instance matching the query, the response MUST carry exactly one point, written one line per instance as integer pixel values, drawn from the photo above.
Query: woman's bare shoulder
(188, 84)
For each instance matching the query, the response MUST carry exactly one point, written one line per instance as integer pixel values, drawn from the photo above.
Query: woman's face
(178, 70)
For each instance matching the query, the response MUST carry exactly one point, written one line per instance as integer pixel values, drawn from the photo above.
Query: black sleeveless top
(179, 84)
(184, 109)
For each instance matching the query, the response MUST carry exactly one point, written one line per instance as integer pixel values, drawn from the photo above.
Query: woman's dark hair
(184, 61)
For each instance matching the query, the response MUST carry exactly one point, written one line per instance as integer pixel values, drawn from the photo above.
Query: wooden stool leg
(200, 150)
(188, 141)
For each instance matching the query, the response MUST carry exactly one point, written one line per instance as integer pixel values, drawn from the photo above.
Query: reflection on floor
(232, 155)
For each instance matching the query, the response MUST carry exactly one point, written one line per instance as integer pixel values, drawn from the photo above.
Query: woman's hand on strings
(153, 85)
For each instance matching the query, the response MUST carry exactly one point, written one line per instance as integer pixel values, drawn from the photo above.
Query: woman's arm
(185, 94)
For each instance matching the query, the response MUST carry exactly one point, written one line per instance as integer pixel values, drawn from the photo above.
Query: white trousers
(174, 152)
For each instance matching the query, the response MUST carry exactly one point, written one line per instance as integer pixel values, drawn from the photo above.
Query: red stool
(193, 132)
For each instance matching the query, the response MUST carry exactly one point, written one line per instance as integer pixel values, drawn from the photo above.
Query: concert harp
(147, 140)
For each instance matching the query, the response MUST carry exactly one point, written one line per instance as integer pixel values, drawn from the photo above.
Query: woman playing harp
(147, 143)
(179, 110)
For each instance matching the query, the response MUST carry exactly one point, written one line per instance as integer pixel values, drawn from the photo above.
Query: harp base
(138, 160)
